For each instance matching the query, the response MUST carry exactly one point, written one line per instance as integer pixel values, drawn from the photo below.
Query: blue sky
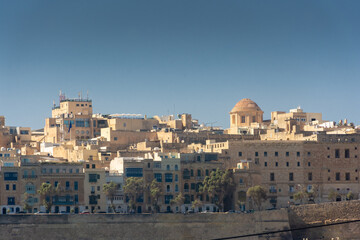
(198, 57)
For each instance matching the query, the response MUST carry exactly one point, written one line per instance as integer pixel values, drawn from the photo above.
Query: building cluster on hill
(79, 153)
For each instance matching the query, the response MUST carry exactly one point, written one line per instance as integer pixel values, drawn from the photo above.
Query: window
(98, 188)
(168, 177)
(192, 186)
(7, 187)
(276, 154)
(30, 188)
(287, 164)
(176, 178)
(276, 164)
(256, 154)
(265, 154)
(92, 177)
(199, 173)
(176, 167)
(347, 153)
(56, 183)
(347, 176)
(298, 154)
(272, 176)
(242, 119)
(168, 167)
(309, 154)
(337, 176)
(115, 138)
(287, 154)
(291, 176)
(93, 165)
(207, 172)
(310, 176)
(337, 153)
(76, 185)
(168, 188)
(158, 177)
(298, 164)
(168, 198)
(191, 172)
(11, 200)
(157, 165)
(240, 154)
(291, 189)
(176, 188)
(10, 176)
(265, 164)
(134, 172)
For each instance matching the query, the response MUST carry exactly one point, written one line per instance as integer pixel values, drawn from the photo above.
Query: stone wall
(317, 221)
(326, 221)
(144, 226)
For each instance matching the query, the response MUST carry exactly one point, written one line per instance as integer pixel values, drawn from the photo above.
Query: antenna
(87, 94)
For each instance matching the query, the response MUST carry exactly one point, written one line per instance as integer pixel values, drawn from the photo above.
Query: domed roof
(245, 104)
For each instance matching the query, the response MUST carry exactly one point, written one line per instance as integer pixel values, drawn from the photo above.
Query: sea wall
(143, 226)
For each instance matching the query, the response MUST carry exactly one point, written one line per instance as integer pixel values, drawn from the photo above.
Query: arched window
(199, 173)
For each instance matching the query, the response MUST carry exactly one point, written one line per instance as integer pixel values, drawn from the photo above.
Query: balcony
(29, 176)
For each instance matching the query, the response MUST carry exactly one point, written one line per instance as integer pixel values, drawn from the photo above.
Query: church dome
(245, 104)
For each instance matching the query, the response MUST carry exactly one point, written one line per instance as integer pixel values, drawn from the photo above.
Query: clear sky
(199, 57)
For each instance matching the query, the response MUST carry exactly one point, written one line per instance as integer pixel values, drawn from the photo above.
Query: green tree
(26, 205)
(155, 193)
(350, 196)
(196, 204)
(110, 192)
(257, 195)
(134, 188)
(333, 195)
(300, 195)
(218, 185)
(178, 200)
(48, 191)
